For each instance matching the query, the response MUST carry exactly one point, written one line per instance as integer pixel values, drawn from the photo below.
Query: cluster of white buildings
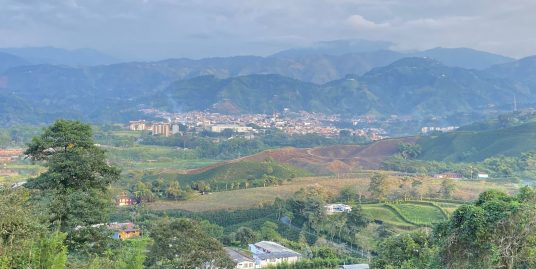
(157, 128)
(447, 129)
(292, 123)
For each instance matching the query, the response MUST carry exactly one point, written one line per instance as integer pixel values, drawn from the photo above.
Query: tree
(245, 236)
(447, 188)
(308, 204)
(498, 229)
(417, 188)
(409, 151)
(348, 194)
(406, 251)
(405, 187)
(355, 220)
(142, 192)
(50, 252)
(378, 186)
(173, 190)
(24, 241)
(269, 231)
(77, 178)
(182, 243)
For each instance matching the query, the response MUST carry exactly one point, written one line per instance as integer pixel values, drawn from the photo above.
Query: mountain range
(359, 80)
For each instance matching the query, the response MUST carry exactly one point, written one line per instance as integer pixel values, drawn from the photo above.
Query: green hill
(243, 171)
(419, 87)
(479, 145)
(255, 173)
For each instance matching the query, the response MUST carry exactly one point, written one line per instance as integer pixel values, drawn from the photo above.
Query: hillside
(244, 170)
(522, 71)
(410, 86)
(422, 85)
(465, 57)
(8, 61)
(479, 145)
(337, 158)
(59, 56)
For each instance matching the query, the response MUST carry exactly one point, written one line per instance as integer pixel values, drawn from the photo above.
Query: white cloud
(196, 28)
(360, 23)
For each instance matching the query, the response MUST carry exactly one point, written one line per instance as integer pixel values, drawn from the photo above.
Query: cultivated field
(254, 197)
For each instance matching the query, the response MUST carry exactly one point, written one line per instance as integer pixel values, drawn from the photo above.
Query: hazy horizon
(159, 29)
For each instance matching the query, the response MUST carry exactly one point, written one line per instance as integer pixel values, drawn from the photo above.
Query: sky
(156, 29)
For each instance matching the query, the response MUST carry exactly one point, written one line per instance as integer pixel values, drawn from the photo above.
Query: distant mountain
(464, 57)
(321, 63)
(57, 56)
(409, 86)
(422, 85)
(8, 61)
(336, 47)
(522, 71)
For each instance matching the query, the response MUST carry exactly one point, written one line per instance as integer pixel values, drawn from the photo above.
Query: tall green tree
(378, 186)
(24, 240)
(78, 175)
(406, 251)
(498, 229)
(182, 243)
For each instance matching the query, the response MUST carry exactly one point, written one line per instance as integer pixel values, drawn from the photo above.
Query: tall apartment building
(162, 129)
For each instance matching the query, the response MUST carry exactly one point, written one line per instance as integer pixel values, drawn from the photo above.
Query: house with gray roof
(268, 253)
(242, 260)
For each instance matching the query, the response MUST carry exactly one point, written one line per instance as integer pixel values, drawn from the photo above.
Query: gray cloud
(146, 29)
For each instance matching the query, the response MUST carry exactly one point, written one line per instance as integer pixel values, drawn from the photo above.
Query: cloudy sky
(152, 29)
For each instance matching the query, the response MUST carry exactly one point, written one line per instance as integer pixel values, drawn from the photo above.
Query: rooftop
(273, 250)
(355, 266)
(238, 256)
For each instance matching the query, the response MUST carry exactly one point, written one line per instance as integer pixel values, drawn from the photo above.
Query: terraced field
(381, 213)
(420, 213)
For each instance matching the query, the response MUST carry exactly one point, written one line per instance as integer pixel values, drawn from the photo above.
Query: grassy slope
(246, 169)
(148, 157)
(476, 146)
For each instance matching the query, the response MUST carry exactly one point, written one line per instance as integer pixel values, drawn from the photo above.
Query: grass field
(420, 213)
(385, 214)
(253, 197)
(248, 198)
(155, 157)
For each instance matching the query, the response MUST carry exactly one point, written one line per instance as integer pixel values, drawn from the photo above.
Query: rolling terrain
(479, 145)
(364, 80)
(286, 161)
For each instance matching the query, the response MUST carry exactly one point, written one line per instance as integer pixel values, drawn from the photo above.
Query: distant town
(297, 123)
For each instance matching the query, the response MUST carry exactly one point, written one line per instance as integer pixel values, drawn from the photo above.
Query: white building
(236, 128)
(137, 125)
(268, 253)
(337, 208)
(162, 129)
(483, 175)
(242, 261)
(355, 266)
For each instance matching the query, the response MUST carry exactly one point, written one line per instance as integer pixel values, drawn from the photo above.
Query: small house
(337, 208)
(482, 175)
(124, 230)
(124, 199)
(268, 253)
(449, 175)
